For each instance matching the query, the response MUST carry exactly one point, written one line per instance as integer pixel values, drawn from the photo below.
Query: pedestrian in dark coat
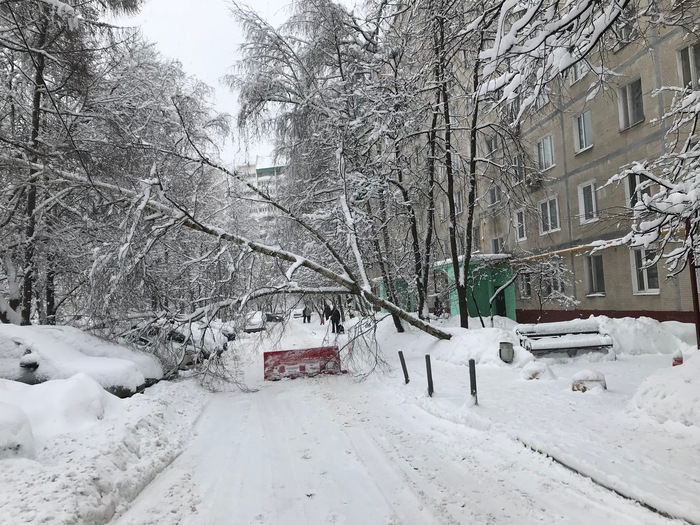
(335, 320)
(327, 312)
(307, 314)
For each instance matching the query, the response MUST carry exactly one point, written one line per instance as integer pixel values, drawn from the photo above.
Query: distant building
(268, 178)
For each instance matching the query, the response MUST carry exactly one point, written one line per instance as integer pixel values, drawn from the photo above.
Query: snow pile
(95, 452)
(480, 344)
(60, 406)
(585, 380)
(16, 438)
(643, 336)
(61, 352)
(537, 370)
(672, 394)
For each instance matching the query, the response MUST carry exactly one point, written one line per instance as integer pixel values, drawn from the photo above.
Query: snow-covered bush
(585, 380)
(537, 370)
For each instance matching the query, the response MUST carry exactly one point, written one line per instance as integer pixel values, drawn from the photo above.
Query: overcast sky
(204, 37)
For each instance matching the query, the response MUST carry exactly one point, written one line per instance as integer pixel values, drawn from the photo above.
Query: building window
(476, 238)
(549, 216)
(631, 104)
(545, 153)
(542, 99)
(552, 285)
(689, 66)
(518, 169)
(494, 195)
(594, 270)
(626, 26)
(520, 231)
(644, 279)
(577, 71)
(525, 286)
(443, 210)
(459, 202)
(638, 185)
(587, 203)
(491, 144)
(497, 245)
(583, 130)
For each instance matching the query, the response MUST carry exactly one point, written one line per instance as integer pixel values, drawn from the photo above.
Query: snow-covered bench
(569, 337)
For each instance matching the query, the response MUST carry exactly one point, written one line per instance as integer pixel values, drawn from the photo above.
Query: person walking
(322, 314)
(307, 314)
(335, 319)
(327, 312)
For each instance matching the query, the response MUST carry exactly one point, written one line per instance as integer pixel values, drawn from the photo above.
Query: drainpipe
(693, 282)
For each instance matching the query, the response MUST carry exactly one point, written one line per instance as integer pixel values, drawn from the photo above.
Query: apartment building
(266, 176)
(555, 200)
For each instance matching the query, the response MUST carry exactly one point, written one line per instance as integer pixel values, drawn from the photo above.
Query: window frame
(593, 274)
(443, 210)
(693, 52)
(626, 104)
(525, 286)
(490, 145)
(625, 29)
(580, 127)
(518, 165)
(639, 255)
(577, 71)
(634, 195)
(459, 202)
(547, 139)
(497, 244)
(520, 225)
(549, 216)
(542, 99)
(583, 215)
(494, 194)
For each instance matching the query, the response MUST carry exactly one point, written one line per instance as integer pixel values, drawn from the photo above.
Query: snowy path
(329, 450)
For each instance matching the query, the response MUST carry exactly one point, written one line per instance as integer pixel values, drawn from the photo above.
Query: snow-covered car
(274, 317)
(171, 344)
(254, 322)
(35, 354)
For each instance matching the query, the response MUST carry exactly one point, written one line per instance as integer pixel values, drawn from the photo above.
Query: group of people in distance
(329, 313)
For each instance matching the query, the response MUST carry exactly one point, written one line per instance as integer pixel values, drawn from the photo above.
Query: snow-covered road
(331, 450)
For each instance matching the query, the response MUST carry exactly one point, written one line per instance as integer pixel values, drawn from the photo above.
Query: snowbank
(644, 335)
(672, 394)
(95, 452)
(16, 437)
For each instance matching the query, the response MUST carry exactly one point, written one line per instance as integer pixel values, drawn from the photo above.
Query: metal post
(430, 375)
(472, 380)
(403, 365)
(693, 281)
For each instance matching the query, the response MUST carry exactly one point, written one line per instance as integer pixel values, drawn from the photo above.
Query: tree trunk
(29, 275)
(460, 284)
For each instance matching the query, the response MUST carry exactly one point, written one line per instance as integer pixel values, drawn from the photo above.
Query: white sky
(203, 35)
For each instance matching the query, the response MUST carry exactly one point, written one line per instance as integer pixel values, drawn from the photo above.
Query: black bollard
(429, 370)
(472, 380)
(403, 365)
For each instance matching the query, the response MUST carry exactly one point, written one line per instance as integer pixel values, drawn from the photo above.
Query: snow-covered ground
(333, 449)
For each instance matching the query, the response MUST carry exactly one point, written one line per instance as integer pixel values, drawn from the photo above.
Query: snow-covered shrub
(585, 380)
(537, 370)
